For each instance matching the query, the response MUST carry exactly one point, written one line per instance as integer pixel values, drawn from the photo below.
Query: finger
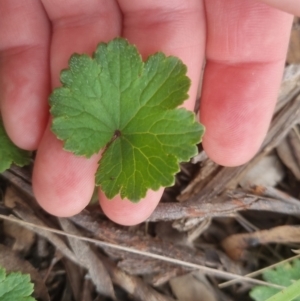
(24, 70)
(176, 28)
(62, 182)
(79, 27)
(246, 48)
(289, 6)
(125, 212)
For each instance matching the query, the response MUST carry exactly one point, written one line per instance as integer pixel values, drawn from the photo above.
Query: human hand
(244, 43)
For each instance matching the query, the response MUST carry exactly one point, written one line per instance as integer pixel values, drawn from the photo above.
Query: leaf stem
(116, 135)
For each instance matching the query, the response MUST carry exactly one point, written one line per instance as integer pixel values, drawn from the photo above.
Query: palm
(244, 44)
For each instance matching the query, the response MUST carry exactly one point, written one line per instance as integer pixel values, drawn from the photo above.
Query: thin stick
(207, 270)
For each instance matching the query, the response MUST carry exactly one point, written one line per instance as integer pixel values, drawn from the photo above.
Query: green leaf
(284, 275)
(116, 102)
(288, 294)
(15, 286)
(262, 293)
(10, 153)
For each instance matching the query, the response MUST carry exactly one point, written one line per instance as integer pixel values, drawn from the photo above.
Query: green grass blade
(288, 294)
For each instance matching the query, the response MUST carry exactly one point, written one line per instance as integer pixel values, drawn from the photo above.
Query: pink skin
(244, 43)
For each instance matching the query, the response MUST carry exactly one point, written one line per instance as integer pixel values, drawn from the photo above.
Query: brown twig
(225, 205)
